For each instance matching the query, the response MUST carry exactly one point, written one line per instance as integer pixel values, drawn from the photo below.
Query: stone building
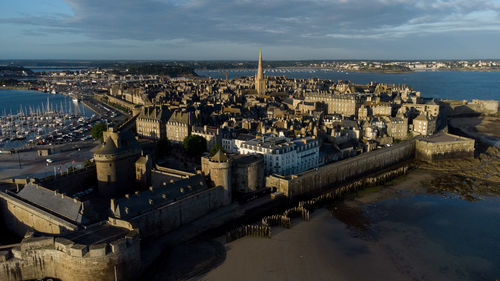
(211, 134)
(344, 104)
(424, 125)
(382, 109)
(151, 122)
(115, 162)
(243, 173)
(180, 125)
(397, 127)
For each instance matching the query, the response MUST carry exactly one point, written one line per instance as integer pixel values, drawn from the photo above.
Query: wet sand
(325, 248)
(353, 245)
(322, 249)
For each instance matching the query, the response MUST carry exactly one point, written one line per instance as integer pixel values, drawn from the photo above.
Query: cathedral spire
(260, 75)
(260, 82)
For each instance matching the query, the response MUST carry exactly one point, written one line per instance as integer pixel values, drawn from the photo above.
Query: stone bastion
(109, 251)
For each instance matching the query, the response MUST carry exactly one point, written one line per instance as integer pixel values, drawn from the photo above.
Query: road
(36, 166)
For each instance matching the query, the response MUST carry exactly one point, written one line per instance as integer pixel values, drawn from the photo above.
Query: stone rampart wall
(316, 180)
(169, 217)
(429, 151)
(21, 216)
(39, 257)
(128, 105)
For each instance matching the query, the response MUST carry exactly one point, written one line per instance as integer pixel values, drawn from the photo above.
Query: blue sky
(222, 29)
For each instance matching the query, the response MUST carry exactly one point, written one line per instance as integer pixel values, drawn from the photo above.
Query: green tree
(98, 129)
(215, 148)
(88, 163)
(163, 146)
(195, 145)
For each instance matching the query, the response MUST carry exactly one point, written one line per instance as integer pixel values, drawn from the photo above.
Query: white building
(233, 145)
(284, 156)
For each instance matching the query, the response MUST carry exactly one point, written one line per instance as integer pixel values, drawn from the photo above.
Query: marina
(57, 120)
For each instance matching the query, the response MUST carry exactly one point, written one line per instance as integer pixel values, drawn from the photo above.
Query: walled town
(264, 140)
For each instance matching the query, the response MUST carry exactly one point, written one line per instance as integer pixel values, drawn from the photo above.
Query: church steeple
(260, 75)
(260, 82)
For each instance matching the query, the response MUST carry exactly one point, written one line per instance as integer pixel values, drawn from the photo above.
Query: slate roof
(219, 157)
(57, 203)
(108, 147)
(155, 112)
(139, 203)
(182, 117)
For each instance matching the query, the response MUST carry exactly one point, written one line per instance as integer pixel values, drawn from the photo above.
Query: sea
(459, 85)
(26, 101)
(458, 238)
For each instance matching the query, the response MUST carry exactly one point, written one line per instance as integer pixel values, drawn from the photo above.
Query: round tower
(220, 174)
(115, 163)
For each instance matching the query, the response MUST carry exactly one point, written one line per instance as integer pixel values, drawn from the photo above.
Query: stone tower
(115, 163)
(218, 168)
(260, 81)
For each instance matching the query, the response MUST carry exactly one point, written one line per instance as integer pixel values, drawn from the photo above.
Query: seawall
(317, 180)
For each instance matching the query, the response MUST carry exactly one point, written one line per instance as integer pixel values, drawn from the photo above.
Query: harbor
(56, 120)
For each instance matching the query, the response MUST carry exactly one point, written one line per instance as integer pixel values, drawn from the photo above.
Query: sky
(236, 30)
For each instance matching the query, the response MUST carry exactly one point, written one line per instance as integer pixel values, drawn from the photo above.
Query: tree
(98, 129)
(163, 146)
(195, 145)
(215, 148)
(88, 163)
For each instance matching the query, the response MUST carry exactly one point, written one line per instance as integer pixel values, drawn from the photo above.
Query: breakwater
(306, 207)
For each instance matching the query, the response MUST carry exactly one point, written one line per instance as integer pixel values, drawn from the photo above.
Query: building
(151, 122)
(344, 104)
(233, 145)
(179, 126)
(397, 127)
(424, 125)
(211, 134)
(260, 81)
(243, 173)
(284, 156)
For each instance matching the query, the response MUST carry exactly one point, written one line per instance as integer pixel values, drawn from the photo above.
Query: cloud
(306, 23)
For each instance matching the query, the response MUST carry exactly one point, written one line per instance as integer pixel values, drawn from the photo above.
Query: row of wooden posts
(304, 208)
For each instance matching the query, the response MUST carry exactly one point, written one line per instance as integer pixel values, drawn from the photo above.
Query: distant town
(182, 154)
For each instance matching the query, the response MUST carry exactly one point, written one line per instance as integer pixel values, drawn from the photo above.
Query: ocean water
(55, 68)
(460, 85)
(455, 237)
(13, 101)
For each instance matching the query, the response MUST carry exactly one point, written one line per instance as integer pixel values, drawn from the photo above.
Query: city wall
(21, 216)
(314, 181)
(169, 217)
(39, 257)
